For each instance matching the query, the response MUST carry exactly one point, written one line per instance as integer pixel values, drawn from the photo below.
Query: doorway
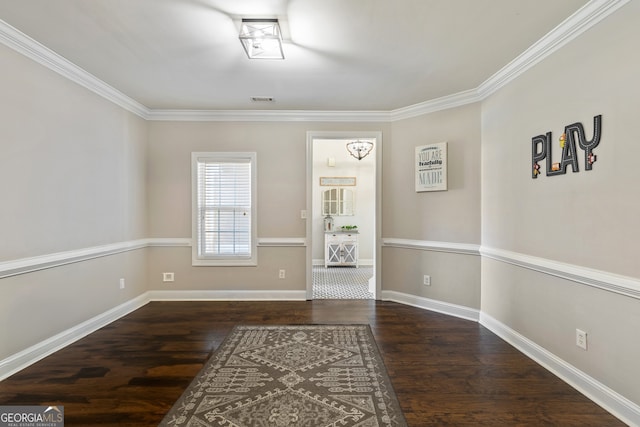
(343, 217)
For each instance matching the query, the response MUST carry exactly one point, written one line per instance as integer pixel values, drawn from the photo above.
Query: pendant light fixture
(359, 149)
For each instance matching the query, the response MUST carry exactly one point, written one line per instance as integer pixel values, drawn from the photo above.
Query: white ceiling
(341, 55)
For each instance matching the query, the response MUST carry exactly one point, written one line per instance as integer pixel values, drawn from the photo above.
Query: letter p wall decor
(541, 149)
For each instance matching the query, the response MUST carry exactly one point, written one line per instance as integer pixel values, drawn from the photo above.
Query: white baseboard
(432, 305)
(616, 404)
(361, 262)
(31, 355)
(208, 295)
(613, 402)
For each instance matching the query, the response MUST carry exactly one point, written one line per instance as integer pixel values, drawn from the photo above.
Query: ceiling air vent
(262, 99)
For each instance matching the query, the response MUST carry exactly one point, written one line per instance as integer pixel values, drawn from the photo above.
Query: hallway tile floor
(342, 282)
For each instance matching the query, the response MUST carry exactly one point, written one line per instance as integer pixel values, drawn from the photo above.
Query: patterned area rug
(279, 376)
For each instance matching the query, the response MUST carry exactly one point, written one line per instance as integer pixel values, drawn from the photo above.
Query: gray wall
(586, 220)
(281, 153)
(79, 172)
(451, 216)
(73, 173)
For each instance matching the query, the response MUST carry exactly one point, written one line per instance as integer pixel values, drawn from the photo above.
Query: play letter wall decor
(541, 149)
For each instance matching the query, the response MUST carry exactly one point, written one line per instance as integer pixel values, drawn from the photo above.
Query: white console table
(341, 248)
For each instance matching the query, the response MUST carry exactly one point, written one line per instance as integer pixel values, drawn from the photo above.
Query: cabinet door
(333, 254)
(349, 252)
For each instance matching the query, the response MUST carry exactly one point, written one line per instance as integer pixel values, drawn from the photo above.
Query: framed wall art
(335, 181)
(431, 167)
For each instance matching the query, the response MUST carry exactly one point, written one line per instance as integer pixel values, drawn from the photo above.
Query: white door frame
(377, 259)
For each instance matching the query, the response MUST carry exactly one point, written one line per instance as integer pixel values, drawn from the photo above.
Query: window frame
(223, 260)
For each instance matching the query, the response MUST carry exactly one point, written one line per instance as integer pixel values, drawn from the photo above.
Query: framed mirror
(337, 202)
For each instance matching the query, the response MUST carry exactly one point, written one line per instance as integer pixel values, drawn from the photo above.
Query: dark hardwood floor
(445, 371)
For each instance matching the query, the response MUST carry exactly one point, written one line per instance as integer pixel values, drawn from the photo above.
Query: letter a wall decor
(541, 149)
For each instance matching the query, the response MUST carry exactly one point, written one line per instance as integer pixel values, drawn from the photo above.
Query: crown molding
(444, 103)
(267, 116)
(25, 45)
(586, 17)
(583, 19)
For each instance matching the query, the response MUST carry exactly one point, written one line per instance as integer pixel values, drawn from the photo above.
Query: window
(224, 230)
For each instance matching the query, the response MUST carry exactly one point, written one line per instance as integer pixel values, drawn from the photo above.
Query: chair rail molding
(429, 245)
(623, 285)
(31, 264)
(42, 262)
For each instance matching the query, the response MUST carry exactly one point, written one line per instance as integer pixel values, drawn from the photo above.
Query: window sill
(224, 262)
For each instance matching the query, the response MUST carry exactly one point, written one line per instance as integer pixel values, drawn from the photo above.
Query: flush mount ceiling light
(261, 38)
(359, 149)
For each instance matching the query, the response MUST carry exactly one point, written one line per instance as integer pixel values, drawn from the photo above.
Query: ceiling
(341, 55)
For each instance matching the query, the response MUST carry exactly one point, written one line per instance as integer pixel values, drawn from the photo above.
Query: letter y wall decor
(541, 149)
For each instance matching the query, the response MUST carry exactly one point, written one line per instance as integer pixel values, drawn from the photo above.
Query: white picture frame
(431, 167)
(334, 181)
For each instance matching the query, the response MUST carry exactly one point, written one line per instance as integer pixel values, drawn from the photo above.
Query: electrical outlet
(581, 339)
(303, 214)
(168, 277)
(121, 283)
(281, 274)
(427, 280)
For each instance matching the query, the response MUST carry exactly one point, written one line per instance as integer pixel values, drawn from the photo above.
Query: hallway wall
(281, 168)
(82, 173)
(423, 230)
(73, 168)
(537, 233)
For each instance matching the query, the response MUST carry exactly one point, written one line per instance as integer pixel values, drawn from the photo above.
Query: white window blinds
(224, 206)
